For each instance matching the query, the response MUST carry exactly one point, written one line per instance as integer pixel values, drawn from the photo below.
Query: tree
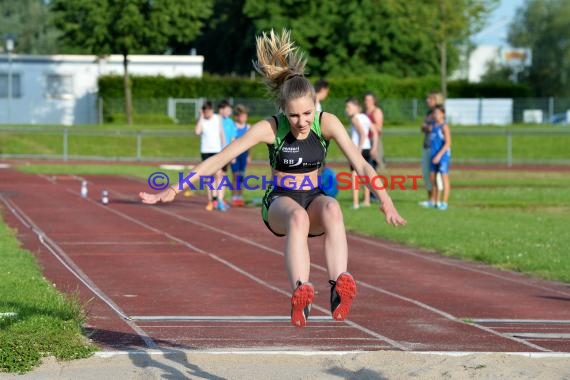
(544, 27)
(340, 38)
(399, 38)
(451, 23)
(227, 39)
(126, 27)
(28, 21)
(497, 73)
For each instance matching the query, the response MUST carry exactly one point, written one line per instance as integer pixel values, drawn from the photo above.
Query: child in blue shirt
(440, 142)
(225, 111)
(239, 164)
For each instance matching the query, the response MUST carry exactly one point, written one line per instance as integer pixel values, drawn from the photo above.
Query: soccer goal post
(184, 110)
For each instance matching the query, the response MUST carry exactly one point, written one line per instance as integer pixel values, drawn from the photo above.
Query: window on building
(16, 85)
(59, 86)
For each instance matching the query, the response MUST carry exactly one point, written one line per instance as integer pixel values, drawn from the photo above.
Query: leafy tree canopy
(544, 26)
(128, 26)
(28, 22)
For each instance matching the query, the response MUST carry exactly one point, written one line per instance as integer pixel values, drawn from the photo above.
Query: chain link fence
(470, 145)
(169, 134)
(396, 111)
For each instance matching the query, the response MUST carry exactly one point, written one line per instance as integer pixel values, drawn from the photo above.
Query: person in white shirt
(212, 140)
(361, 131)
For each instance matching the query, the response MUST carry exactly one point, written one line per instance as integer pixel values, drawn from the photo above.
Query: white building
(479, 61)
(62, 89)
(474, 64)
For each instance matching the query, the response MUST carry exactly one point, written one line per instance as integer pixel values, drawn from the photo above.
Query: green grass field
(511, 220)
(45, 322)
(402, 143)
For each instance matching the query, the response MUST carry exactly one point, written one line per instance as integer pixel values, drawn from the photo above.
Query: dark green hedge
(463, 89)
(385, 87)
(111, 87)
(402, 99)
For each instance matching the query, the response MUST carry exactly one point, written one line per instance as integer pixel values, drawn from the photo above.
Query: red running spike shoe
(343, 291)
(301, 302)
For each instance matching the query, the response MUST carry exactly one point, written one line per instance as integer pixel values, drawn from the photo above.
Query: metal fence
(396, 111)
(470, 145)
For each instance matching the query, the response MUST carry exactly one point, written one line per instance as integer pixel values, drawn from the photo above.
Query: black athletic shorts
(302, 197)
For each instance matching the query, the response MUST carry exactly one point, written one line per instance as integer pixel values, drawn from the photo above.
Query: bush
(111, 87)
(402, 99)
(464, 89)
(140, 118)
(384, 86)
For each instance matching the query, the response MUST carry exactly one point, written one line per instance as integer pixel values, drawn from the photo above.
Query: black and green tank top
(289, 155)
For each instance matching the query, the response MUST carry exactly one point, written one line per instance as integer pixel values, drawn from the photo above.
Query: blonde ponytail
(282, 66)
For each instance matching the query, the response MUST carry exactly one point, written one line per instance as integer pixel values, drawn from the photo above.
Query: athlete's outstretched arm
(261, 132)
(333, 129)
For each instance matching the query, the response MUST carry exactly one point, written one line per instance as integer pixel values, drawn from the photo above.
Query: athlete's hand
(164, 196)
(436, 160)
(392, 216)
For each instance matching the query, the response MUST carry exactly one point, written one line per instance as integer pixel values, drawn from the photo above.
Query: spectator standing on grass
(376, 116)
(327, 175)
(440, 143)
(239, 164)
(297, 138)
(209, 128)
(225, 111)
(321, 93)
(433, 99)
(361, 127)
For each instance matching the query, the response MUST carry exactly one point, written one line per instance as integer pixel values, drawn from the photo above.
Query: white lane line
(66, 261)
(14, 212)
(366, 285)
(249, 352)
(238, 269)
(529, 355)
(454, 264)
(319, 325)
(47, 178)
(451, 317)
(371, 342)
(112, 243)
(110, 354)
(332, 329)
(532, 335)
(521, 321)
(225, 318)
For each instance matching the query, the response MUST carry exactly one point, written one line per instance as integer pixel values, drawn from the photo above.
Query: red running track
(178, 276)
